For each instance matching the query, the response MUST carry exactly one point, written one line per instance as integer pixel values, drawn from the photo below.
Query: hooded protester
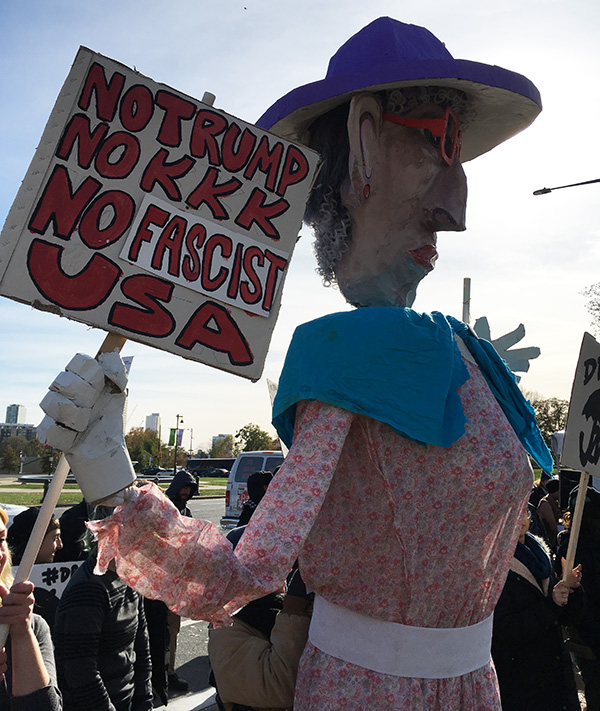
(181, 489)
(258, 484)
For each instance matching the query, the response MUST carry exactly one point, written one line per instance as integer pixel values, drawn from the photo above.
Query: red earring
(366, 190)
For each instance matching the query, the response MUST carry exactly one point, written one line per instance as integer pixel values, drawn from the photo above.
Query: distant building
(153, 422)
(16, 415)
(217, 438)
(9, 429)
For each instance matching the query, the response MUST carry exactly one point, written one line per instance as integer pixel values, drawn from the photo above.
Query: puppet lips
(425, 256)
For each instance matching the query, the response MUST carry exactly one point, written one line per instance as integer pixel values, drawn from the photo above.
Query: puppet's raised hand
(84, 419)
(517, 358)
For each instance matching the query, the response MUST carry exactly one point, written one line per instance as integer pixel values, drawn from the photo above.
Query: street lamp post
(179, 420)
(545, 191)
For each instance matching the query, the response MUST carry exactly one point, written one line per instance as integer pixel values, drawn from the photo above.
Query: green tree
(49, 459)
(251, 438)
(550, 412)
(29, 447)
(10, 460)
(144, 447)
(592, 293)
(224, 447)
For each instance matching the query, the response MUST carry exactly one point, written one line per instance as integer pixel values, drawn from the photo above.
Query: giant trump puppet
(404, 488)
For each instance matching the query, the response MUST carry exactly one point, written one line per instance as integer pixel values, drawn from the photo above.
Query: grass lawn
(34, 498)
(31, 494)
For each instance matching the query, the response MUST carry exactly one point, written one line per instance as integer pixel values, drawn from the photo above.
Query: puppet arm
(84, 419)
(190, 566)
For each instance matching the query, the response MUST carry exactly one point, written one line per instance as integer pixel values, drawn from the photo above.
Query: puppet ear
(364, 125)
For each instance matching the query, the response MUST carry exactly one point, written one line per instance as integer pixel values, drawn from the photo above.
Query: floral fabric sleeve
(190, 566)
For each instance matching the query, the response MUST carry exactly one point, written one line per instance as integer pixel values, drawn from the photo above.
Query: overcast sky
(529, 258)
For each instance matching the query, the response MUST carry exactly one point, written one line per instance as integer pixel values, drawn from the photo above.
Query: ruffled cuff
(186, 563)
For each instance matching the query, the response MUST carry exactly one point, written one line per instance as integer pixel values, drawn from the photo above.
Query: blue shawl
(402, 368)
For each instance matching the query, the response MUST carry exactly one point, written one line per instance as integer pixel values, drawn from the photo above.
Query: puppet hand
(517, 358)
(84, 418)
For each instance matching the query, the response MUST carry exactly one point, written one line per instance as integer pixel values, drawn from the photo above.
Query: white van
(236, 494)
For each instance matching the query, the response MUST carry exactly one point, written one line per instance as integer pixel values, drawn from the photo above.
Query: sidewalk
(202, 700)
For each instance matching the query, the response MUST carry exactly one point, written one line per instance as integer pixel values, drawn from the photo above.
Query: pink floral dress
(382, 526)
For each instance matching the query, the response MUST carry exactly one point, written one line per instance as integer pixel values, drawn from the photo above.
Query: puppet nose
(448, 200)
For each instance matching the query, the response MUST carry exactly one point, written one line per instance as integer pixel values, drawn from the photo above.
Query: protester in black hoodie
(181, 490)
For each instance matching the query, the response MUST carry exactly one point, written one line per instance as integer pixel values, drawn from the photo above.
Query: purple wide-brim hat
(388, 54)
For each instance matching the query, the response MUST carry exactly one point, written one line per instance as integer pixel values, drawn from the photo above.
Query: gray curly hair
(325, 212)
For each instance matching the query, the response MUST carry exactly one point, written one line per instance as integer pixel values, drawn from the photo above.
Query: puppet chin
(392, 287)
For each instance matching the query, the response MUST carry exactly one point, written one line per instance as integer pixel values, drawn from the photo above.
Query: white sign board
(52, 577)
(581, 445)
(150, 214)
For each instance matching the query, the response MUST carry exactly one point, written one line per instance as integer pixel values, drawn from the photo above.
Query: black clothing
(165, 628)
(72, 528)
(257, 488)
(101, 644)
(588, 554)
(534, 669)
(46, 605)
(158, 636)
(537, 494)
(588, 628)
(247, 511)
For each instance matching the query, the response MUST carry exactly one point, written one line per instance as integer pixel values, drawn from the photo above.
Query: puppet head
(393, 120)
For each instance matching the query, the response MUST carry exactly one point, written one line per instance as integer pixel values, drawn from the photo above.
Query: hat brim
(504, 102)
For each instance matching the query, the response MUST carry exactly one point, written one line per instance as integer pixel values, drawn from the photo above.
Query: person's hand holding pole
(29, 672)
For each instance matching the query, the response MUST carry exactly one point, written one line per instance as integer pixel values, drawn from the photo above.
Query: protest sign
(581, 445)
(157, 217)
(52, 577)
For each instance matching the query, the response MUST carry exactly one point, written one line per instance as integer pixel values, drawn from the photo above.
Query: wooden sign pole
(112, 342)
(575, 526)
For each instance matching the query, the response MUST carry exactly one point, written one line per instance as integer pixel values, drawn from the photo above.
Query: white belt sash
(396, 649)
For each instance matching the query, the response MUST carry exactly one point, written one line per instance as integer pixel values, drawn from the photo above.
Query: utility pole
(179, 419)
(466, 310)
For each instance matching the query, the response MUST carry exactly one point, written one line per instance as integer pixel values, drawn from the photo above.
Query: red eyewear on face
(442, 132)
